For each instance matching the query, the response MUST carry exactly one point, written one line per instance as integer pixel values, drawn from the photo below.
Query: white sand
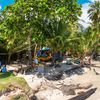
(54, 94)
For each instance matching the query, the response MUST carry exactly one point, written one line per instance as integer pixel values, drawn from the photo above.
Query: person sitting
(36, 60)
(56, 56)
(4, 69)
(40, 70)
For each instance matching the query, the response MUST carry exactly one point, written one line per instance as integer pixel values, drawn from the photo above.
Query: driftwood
(84, 95)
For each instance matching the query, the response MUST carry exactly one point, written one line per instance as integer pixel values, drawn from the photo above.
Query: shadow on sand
(5, 75)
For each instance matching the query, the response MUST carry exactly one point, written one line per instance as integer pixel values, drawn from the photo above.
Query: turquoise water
(4, 3)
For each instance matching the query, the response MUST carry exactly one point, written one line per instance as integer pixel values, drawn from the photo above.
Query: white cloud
(0, 7)
(93, 0)
(84, 15)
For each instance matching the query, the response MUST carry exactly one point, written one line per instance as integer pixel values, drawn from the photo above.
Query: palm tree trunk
(35, 54)
(90, 60)
(18, 56)
(82, 62)
(29, 48)
(9, 57)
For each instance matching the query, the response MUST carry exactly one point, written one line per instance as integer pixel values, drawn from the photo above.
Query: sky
(85, 7)
(4, 3)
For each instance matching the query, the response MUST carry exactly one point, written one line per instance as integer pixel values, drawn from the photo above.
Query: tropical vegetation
(30, 24)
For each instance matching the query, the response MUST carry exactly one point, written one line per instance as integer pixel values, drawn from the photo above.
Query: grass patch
(10, 78)
(5, 76)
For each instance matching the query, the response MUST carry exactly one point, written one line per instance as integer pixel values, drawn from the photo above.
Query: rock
(36, 86)
(41, 97)
(33, 98)
(44, 87)
(14, 87)
(57, 66)
(54, 75)
(30, 93)
(15, 73)
(85, 86)
(71, 92)
(80, 92)
(1, 93)
(6, 91)
(68, 89)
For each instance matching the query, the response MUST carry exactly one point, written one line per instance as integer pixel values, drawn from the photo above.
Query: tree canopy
(36, 23)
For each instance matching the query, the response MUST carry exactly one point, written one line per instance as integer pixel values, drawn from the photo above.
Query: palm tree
(94, 14)
(94, 11)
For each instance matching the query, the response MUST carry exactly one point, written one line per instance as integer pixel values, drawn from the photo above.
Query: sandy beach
(49, 93)
(49, 90)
